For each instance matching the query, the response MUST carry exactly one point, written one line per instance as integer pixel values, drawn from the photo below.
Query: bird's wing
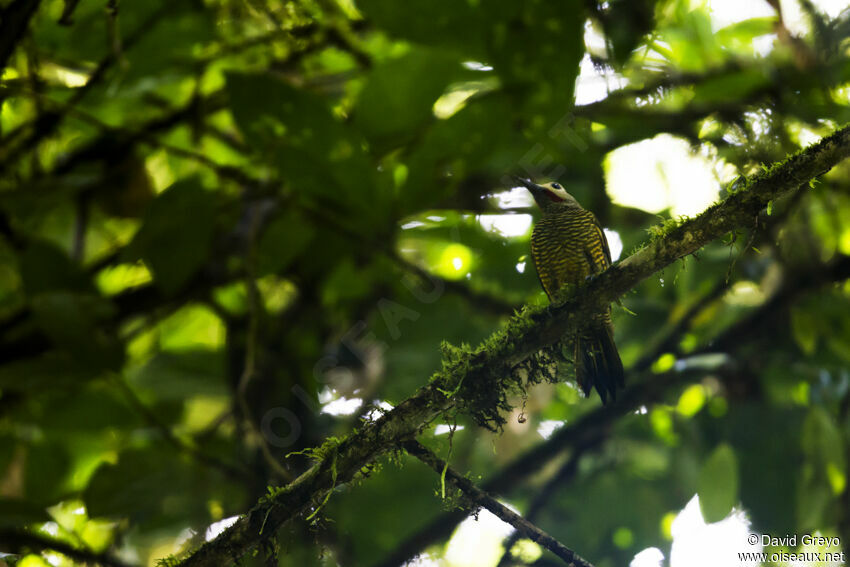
(598, 252)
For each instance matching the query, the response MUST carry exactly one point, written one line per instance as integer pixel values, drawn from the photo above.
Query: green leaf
(46, 267)
(295, 133)
(744, 32)
(388, 525)
(718, 484)
(625, 24)
(152, 488)
(73, 322)
(181, 375)
(52, 370)
(451, 24)
(176, 237)
(170, 44)
(539, 45)
(271, 113)
(822, 441)
(46, 469)
(283, 240)
(804, 327)
(731, 87)
(469, 140)
(95, 408)
(16, 513)
(399, 96)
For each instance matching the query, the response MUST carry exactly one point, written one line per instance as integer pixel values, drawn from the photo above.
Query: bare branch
(481, 498)
(16, 18)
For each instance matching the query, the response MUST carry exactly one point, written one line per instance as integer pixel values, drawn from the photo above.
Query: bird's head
(547, 194)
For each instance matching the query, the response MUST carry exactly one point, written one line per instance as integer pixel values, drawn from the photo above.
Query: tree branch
(477, 382)
(594, 424)
(46, 124)
(21, 541)
(544, 496)
(16, 18)
(481, 498)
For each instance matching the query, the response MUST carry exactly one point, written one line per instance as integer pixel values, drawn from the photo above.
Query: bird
(568, 246)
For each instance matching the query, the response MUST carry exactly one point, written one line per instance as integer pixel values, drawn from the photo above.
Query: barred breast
(567, 246)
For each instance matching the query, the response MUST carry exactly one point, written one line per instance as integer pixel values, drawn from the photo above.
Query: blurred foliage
(230, 230)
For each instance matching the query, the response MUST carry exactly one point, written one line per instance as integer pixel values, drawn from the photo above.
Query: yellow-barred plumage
(568, 245)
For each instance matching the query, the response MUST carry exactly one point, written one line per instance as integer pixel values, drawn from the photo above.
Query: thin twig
(544, 496)
(668, 337)
(481, 498)
(232, 471)
(46, 124)
(16, 17)
(252, 343)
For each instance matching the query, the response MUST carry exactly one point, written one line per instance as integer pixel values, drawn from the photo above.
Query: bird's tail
(597, 362)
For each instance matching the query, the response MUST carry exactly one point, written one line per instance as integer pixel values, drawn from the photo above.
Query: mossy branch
(477, 381)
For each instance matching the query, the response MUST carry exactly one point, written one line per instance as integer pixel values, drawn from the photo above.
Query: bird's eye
(556, 186)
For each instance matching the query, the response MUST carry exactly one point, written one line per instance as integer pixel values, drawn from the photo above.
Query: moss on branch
(478, 381)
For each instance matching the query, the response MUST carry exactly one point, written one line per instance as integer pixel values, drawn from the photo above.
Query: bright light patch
(506, 225)
(520, 267)
(451, 102)
(745, 294)
(661, 173)
(477, 66)
(515, 198)
(443, 428)
(412, 224)
(454, 261)
(649, 557)
(422, 560)
(548, 427)
(594, 41)
(342, 406)
(477, 543)
(114, 279)
(159, 170)
(615, 243)
(381, 407)
(697, 544)
(69, 78)
(727, 12)
(805, 136)
(796, 20)
(593, 85)
(763, 44)
(192, 327)
(216, 529)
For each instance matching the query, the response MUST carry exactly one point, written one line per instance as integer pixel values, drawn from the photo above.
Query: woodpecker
(568, 246)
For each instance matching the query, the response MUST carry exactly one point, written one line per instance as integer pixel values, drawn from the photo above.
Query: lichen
(665, 227)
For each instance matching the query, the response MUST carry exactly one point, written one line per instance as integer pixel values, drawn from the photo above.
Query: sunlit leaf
(176, 236)
(718, 484)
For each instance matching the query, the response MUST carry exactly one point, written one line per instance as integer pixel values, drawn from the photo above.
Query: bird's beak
(539, 193)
